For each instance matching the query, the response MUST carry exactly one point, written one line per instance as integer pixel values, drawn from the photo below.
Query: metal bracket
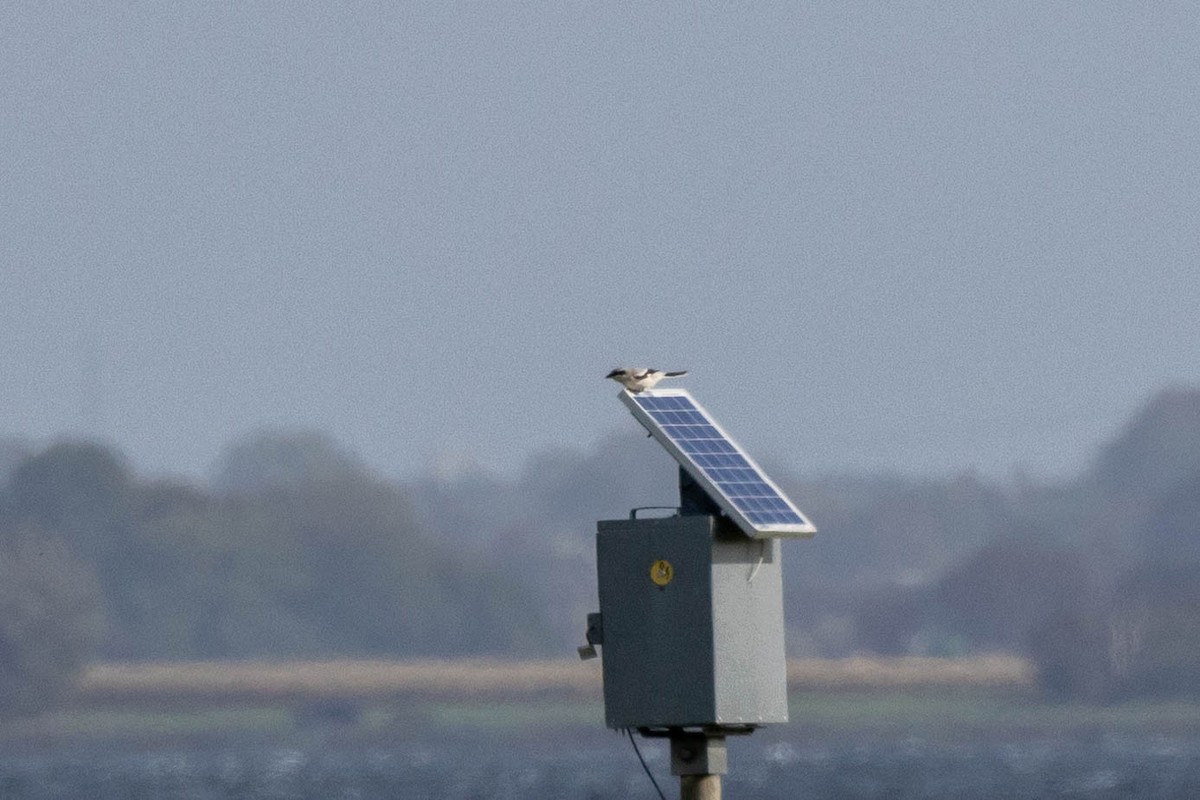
(693, 499)
(633, 514)
(698, 754)
(594, 636)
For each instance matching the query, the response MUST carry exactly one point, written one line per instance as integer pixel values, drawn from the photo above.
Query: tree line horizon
(297, 549)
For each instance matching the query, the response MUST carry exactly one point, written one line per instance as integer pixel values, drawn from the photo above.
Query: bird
(637, 379)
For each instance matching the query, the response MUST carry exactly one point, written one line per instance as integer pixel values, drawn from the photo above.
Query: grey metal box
(706, 646)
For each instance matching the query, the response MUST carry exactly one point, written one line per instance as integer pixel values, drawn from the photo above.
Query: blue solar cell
(715, 460)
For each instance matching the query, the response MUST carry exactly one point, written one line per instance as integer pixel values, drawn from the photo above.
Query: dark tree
(285, 459)
(1157, 449)
(1071, 648)
(80, 491)
(887, 619)
(1000, 594)
(1172, 533)
(1156, 630)
(50, 620)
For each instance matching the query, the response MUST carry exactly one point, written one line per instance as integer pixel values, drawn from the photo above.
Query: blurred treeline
(294, 549)
(1096, 579)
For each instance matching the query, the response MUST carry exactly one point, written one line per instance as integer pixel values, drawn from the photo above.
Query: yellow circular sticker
(661, 572)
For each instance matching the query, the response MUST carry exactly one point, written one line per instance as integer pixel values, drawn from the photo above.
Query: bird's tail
(674, 374)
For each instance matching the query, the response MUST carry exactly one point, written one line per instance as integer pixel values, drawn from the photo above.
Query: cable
(649, 774)
(762, 554)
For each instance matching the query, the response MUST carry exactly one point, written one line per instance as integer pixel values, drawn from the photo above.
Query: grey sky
(921, 237)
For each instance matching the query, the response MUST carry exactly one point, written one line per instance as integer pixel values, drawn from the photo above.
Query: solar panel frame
(718, 463)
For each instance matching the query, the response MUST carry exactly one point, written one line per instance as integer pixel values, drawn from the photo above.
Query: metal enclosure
(699, 641)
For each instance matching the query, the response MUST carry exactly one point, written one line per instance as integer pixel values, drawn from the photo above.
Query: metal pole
(699, 787)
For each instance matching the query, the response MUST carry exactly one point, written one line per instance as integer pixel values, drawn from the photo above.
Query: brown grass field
(356, 701)
(215, 683)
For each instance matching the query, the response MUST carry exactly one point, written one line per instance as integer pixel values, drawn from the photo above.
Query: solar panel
(728, 475)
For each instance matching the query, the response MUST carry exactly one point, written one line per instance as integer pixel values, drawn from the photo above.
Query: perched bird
(635, 379)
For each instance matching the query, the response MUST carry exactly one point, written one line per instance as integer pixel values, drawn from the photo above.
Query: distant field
(855, 674)
(284, 682)
(269, 683)
(152, 705)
